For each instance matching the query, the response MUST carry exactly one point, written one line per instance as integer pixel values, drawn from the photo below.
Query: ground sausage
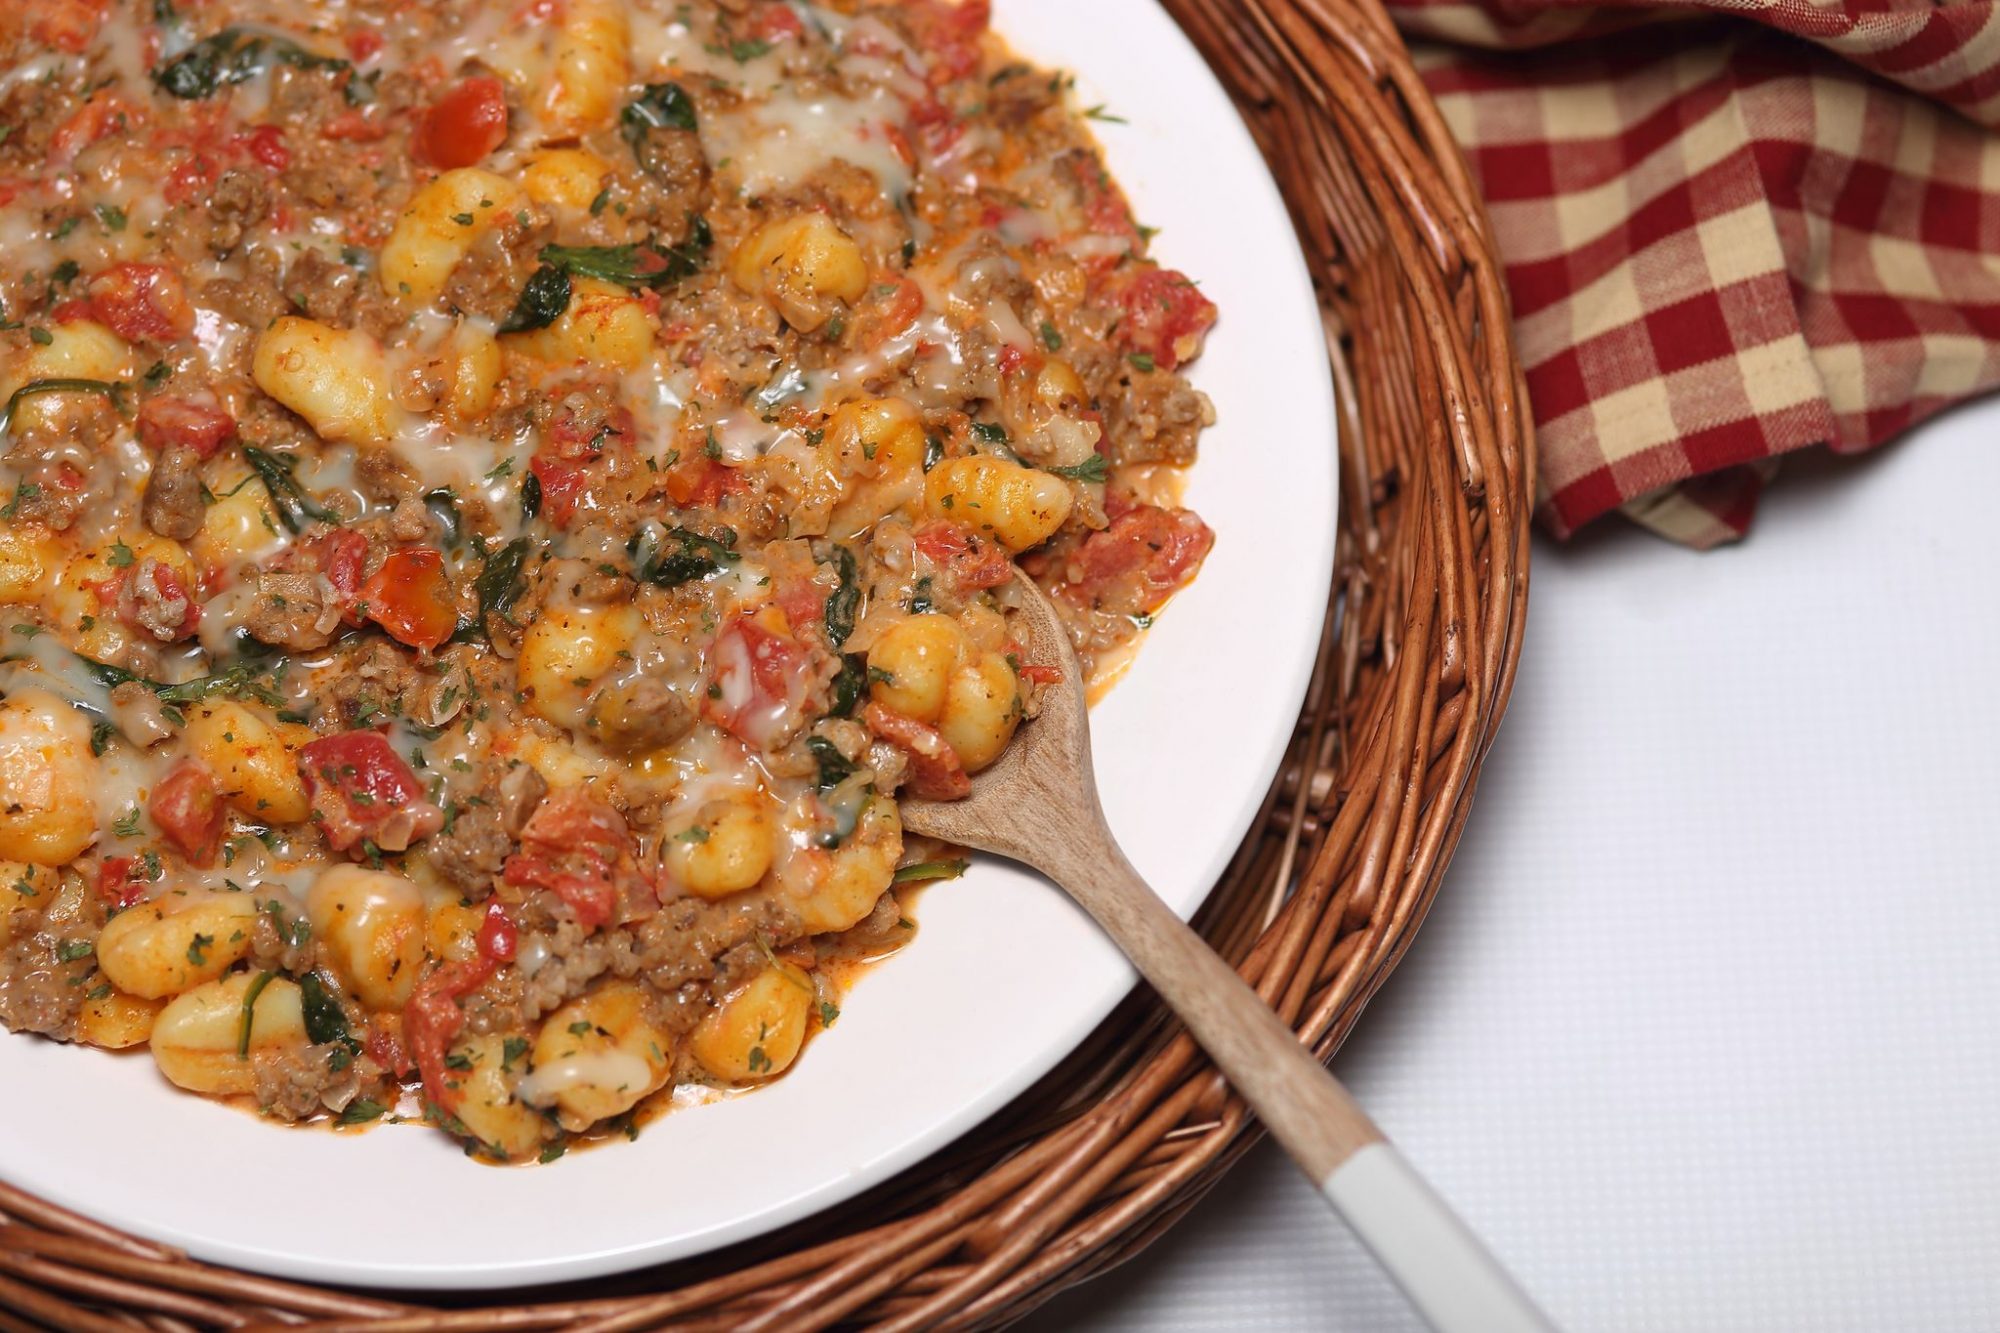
(296, 1084)
(39, 991)
(472, 851)
(289, 611)
(241, 200)
(173, 506)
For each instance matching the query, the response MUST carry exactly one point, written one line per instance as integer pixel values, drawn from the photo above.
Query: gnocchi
(1019, 507)
(334, 378)
(756, 1033)
(202, 1042)
(801, 264)
(168, 945)
(438, 229)
(50, 778)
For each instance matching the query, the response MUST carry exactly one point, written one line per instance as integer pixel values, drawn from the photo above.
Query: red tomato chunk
(1165, 316)
(360, 788)
(1145, 556)
(576, 846)
(142, 302)
(936, 774)
(410, 597)
(464, 125)
(167, 421)
(757, 683)
(187, 805)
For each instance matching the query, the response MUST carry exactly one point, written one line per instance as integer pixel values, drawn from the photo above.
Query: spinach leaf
(1094, 468)
(848, 685)
(834, 767)
(443, 505)
(296, 509)
(659, 106)
(678, 556)
(541, 302)
(325, 1020)
(499, 584)
(239, 680)
(844, 601)
(232, 56)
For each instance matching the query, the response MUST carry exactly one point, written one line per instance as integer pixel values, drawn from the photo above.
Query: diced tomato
(803, 600)
(70, 311)
(464, 125)
(192, 177)
(385, 1046)
(158, 583)
(363, 44)
(936, 773)
(266, 144)
(757, 683)
(702, 482)
(151, 596)
(1037, 674)
(432, 1019)
(1165, 316)
(938, 127)
(1143, 558)
(775, 22)
(361, 788)
(967, 559)
(122, 880)
(187, 805)
(355, 125)
(497, 937)
(577, 846)
(102, 115)
(410, 597)
(340, 555)
(948, 31)
(565, 488)
(880, 319)
(142, 302)
(168, 421)
(66, 25)
(1012, 359)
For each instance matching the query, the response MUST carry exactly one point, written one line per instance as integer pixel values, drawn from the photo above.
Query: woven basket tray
(1107, 1152)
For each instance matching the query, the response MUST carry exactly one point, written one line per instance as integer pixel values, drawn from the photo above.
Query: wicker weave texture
(1416, 659)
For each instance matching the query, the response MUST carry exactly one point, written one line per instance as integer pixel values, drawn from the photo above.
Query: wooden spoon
(1038, 805)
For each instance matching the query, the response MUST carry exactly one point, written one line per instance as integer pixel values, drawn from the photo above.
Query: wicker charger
(1107, 1152)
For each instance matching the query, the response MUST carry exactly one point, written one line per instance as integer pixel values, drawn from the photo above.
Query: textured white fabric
(1701, 1033)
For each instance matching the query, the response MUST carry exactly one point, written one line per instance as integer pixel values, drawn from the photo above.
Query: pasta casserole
(499, 497)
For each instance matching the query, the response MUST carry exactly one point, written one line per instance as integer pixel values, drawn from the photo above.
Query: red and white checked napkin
(1731, 229)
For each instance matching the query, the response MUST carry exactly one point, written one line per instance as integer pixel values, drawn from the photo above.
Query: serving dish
(1004, 978)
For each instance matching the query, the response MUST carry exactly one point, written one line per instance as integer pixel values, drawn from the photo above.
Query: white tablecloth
(1701, 1033)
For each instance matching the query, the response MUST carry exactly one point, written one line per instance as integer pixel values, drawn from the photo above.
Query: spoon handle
(1433, 1256)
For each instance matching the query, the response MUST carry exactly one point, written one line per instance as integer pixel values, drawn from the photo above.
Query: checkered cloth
(1728, 239)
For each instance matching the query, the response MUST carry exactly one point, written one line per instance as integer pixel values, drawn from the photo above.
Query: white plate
(1005, 978)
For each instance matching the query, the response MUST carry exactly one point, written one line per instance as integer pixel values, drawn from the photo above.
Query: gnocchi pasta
(495, 529)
